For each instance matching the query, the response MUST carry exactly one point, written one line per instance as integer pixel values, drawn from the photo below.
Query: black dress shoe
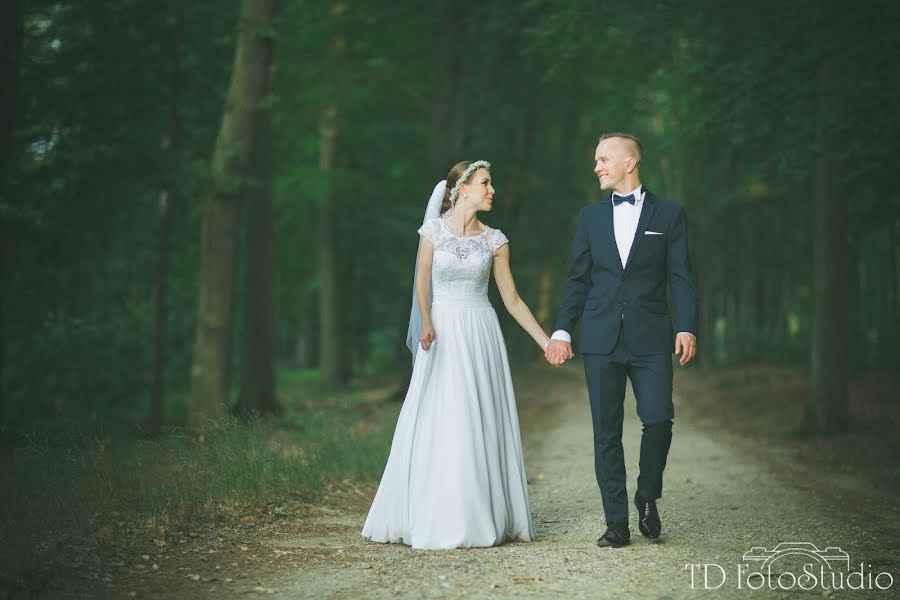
(615, 537)
(648, 518)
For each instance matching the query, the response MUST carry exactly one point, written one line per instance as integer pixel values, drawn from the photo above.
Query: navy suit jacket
(607, 297)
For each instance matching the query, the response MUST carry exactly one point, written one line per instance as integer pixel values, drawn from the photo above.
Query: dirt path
(718, 504)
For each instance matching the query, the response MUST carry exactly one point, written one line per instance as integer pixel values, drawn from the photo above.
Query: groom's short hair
(635, 143)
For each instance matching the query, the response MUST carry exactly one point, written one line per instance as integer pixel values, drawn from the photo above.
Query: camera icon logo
(832, 556)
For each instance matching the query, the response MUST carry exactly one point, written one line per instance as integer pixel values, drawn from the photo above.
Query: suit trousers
(651, 380)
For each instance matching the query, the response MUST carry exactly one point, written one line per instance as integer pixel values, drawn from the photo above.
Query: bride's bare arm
(423, 292)
(511, 300)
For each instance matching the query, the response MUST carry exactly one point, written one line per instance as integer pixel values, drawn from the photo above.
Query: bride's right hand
(426, 338)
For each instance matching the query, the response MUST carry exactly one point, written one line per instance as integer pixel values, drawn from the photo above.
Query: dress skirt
(455, 477)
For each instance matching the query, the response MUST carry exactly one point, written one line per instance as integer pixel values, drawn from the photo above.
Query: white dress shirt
(625, 222)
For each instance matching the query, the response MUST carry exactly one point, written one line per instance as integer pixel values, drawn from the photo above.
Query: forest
(208, 210)
(776, 135)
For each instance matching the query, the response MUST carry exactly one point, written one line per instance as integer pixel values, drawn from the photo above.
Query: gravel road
(718, 504)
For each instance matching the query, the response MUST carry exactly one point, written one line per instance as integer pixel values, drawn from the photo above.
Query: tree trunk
(893, 308)
(10, 60)
(11, 31)
(258, 356)
(784, 302)
(827, 409)
(234, 147)
(706, 336)
(760, 287)
(158, 384)
(544, 292)
(448, 75)
(855, 287)
(231, 308)
(329, 339)
(171, 148)
(303, 340)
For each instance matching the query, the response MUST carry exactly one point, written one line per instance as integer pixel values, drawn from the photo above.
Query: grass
(60, 491)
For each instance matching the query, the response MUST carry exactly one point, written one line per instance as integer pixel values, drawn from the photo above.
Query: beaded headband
(454, 192)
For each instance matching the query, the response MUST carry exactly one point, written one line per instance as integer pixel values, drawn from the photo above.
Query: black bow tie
(617, 199)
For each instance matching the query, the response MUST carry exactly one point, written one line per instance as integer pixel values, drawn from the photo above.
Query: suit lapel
(643, 222)
(608, 232)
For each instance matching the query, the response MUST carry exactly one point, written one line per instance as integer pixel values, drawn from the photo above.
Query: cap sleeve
(498, 239)
(431, 231)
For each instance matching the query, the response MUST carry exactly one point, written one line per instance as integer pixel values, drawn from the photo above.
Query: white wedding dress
(455, 477)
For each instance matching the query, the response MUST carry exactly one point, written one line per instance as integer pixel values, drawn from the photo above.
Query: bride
(455, 476)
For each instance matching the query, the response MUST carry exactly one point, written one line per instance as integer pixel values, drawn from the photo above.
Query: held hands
(686, 344)
(426, 337)
(558, 352)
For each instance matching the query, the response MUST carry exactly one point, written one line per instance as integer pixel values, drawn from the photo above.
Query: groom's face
(611, 164)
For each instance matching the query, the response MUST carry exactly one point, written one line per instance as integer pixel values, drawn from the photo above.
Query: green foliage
(727, 100)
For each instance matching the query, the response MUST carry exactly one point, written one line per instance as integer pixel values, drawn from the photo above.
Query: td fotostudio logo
(790, 566)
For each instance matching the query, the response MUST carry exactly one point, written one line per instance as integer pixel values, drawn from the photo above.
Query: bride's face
(479, 191)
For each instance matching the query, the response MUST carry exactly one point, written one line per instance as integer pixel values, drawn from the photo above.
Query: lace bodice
(462, 264)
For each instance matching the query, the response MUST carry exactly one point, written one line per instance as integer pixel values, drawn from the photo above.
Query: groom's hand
(558, 352)
(686, 345)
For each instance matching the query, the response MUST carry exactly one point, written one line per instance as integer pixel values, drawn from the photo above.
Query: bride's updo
(452, 178)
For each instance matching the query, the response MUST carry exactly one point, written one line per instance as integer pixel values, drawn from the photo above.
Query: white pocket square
(653, 233)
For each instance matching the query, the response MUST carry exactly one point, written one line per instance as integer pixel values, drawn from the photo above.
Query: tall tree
(827, 409)
(10, 56)
(233, 149)
(329, 310)
(170, 146)
(893, 266)
(451, 31)
(329, 294)
(11, 27)
(258, 355)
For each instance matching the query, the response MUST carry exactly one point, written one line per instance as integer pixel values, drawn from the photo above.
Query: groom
(627, 249)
